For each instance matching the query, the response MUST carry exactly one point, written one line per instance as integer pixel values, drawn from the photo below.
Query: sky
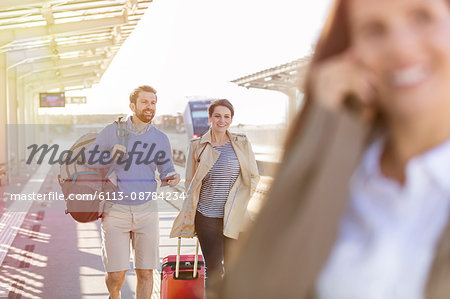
(196, 47)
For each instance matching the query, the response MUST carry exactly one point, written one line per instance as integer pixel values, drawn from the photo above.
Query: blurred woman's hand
(338, 77)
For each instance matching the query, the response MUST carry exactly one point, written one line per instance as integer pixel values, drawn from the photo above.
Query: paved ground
(46, 254)
(52, 256)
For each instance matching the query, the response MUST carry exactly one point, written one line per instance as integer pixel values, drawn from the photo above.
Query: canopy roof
(282, 78)
(65, 44)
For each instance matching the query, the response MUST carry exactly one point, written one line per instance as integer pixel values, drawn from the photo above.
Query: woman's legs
(227, 244)
(210, 235)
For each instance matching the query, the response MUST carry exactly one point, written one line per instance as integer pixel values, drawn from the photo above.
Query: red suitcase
(179, 280)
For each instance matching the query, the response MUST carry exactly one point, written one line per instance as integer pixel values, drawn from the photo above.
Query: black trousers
(213, 243)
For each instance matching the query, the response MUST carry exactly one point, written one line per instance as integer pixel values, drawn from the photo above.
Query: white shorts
(124, 223)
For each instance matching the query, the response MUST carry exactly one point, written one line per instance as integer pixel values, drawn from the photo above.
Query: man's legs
(114, 282)
(116, 226)
(145, 244)
(144, 285)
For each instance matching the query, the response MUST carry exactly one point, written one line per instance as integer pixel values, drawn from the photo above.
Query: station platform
(46, 254)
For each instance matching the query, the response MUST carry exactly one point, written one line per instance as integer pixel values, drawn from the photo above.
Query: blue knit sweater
(147, 152)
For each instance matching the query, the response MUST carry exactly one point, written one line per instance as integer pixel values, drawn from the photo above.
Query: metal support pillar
(3, 113)
(42, 127)
(34, 104)
(12, 128)
(26, 118)
(21, 119)
(292, 105)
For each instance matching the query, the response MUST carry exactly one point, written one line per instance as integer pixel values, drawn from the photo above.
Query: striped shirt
(218, 182)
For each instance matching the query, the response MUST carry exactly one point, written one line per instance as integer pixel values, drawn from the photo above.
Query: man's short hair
(135, 94)
(222, 102)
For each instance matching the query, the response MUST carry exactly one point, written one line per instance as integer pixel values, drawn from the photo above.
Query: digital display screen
(52, 99)
(200, 105)
(200, 114)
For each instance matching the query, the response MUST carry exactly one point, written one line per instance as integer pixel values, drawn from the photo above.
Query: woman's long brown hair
(334, 39)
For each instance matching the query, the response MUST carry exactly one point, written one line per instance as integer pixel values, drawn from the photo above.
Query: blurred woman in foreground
(385, 233)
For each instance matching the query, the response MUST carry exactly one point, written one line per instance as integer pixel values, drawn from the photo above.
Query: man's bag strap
(121, 132)
(122, 135)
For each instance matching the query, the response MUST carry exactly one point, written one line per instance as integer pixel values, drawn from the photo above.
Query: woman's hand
(341, 76)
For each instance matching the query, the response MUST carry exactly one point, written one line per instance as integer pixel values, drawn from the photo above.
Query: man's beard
(144, 118)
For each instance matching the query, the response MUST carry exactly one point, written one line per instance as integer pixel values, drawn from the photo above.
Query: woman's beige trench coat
(200, 160)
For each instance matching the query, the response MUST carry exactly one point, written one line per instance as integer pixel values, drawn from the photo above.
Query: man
(130, 214)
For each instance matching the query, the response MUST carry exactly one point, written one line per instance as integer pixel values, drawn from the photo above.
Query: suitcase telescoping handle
(177, 264)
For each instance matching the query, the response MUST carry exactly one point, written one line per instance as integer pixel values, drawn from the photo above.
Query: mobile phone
(166, 179)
